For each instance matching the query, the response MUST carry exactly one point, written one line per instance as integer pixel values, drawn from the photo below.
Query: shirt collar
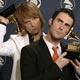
(50, 45)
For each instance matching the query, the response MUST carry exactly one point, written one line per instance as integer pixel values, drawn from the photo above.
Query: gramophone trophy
(9, 14)
(73, 49)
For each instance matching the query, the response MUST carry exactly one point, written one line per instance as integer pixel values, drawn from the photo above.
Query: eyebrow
(27, 21)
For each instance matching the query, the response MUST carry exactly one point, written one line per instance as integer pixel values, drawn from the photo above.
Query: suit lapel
(44, 52)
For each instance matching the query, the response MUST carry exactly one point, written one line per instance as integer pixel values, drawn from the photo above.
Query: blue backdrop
(47, 8)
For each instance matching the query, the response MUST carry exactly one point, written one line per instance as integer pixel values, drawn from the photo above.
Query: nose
(61, 27)
(33, 22)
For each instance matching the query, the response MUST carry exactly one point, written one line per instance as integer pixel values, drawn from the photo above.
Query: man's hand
(76, 65)
(4, 20)
(61, 61)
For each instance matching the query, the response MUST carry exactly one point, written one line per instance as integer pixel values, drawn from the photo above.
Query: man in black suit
(36, 59)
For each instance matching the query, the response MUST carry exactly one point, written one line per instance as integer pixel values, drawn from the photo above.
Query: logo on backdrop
(2, 60)
(2, 3)
(37, 2)
(70, 4)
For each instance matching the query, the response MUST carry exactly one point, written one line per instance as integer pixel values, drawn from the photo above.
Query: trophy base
(73, 54)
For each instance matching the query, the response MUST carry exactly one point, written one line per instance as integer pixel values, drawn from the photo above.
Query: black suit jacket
(37, 64)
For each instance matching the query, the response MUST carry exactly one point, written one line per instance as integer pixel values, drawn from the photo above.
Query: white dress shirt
(50, 46)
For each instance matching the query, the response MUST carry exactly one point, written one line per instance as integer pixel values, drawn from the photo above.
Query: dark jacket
(37, 64)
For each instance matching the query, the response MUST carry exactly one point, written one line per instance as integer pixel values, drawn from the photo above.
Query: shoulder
(63, 46)
(14, 35)
(18, 37)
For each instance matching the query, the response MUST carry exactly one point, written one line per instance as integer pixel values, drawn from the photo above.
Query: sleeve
(6, 48)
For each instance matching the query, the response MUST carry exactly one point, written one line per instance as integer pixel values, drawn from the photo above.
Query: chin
(35, 33)
(58, 38)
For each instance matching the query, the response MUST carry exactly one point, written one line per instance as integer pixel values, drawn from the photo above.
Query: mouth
(58, 32)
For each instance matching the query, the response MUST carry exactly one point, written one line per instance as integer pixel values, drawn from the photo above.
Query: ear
(50, 21)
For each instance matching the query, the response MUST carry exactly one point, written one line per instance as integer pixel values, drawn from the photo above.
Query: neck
(37, 36)
(52, 40)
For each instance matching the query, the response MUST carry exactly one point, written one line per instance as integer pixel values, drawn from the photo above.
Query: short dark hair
(65, 10)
